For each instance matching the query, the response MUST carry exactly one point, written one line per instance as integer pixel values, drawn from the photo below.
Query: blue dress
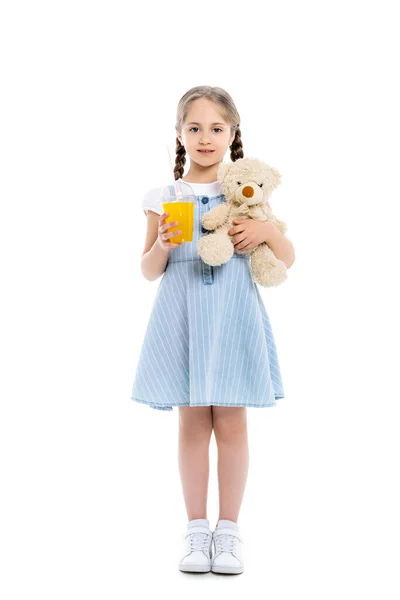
(209, 340)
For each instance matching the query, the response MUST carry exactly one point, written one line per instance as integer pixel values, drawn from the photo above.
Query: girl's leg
(195, 428)
(230, 430)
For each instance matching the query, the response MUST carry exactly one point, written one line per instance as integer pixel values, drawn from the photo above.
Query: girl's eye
(219, 129)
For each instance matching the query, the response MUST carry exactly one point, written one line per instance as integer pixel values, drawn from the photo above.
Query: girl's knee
(229, 422)
(195, 418)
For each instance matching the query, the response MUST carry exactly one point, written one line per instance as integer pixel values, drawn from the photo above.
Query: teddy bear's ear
(276, 177)
(223, 170)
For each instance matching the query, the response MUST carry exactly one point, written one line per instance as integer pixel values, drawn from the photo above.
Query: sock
(197, 522)
(226, 523)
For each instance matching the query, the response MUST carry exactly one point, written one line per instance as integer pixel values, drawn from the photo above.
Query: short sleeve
(151, 201)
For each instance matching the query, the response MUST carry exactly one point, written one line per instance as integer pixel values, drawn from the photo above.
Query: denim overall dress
(208, 340)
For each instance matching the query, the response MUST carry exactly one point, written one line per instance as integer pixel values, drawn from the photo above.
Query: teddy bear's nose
(248, 191)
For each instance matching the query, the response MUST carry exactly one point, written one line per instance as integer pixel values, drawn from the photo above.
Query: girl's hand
(249, 234)
(162, 236)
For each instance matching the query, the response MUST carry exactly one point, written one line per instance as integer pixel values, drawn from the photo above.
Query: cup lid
(185, 193)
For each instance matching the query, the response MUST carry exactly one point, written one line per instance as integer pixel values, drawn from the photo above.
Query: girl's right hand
(164, 237)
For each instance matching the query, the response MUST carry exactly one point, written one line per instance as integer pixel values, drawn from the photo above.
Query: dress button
(204, 199)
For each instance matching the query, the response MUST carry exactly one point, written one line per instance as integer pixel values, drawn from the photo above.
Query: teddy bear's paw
(267, 270)
(215, 250)
(269, 275)
(209, 222)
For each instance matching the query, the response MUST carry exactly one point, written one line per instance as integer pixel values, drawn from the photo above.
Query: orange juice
(183, 212)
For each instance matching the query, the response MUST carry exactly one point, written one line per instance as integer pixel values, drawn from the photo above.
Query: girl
(209, 347)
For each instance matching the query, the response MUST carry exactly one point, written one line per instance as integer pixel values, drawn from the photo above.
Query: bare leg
(195, 428)
(230, 429)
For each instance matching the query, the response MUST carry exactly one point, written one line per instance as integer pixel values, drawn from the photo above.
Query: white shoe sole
(195, 568)
(227, 570)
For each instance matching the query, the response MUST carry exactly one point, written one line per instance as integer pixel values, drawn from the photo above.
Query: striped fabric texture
(209, 340)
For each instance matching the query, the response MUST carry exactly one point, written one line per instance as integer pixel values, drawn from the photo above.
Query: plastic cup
(180, 209)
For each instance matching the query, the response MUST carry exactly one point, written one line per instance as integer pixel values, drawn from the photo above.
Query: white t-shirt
(151, 198)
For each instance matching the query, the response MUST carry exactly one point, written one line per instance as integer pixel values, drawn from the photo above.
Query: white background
(91, 501)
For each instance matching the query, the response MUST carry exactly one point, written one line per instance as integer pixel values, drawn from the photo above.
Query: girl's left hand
(249, 234)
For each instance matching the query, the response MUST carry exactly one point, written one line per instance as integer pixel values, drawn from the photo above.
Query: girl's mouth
(206, 151)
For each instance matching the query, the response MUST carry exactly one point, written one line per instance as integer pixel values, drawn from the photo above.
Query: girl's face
(205, 129)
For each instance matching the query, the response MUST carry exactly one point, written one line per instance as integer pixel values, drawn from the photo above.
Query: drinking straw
(178, 191)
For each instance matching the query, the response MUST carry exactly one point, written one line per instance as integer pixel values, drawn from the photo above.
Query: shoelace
(225, 542)
(198, 541)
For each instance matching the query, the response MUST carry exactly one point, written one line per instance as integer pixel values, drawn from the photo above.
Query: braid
(180, 160)
(237, 146)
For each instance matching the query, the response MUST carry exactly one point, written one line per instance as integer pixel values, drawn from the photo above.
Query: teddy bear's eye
(260, 184)
(239, 183)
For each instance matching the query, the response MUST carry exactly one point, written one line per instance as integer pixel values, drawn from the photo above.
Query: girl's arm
(279, 244)
(154, 257)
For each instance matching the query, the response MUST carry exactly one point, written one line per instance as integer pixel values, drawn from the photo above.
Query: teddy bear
(247, 184)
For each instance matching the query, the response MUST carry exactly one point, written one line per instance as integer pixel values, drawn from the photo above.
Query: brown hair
(228, 109)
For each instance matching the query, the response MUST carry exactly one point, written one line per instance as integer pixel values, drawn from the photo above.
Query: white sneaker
(198, 547)
(228, 555)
